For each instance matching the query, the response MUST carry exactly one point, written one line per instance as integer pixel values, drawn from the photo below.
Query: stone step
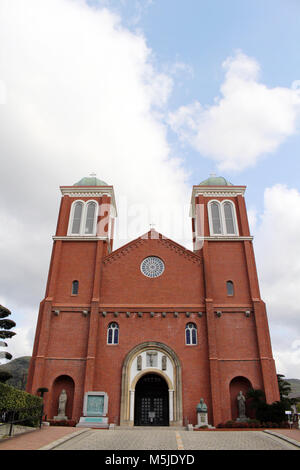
(151, 428)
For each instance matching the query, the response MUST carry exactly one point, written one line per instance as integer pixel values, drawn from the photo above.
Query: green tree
(5, 327)
(274, 412)
(284, 391)
(256, 397)
(284, 387)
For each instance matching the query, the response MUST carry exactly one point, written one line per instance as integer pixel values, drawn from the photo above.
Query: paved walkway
(34, 440)
(176, 440)
(67, 438)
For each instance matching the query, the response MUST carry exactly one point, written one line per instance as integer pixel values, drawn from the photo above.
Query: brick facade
(233, 349)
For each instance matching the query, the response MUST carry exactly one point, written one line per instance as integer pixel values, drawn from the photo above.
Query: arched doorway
(165, 364)
(151, 401)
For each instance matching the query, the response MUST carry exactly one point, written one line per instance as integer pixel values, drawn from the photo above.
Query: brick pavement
(233, 440)
(169, 439)
(67, 438)
(33, 440)
(291, 433)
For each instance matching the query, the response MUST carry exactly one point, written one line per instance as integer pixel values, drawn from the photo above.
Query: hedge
(252, 423)
(12, 399)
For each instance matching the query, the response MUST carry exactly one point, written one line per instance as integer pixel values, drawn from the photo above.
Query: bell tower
(84, 235)
(238, 333)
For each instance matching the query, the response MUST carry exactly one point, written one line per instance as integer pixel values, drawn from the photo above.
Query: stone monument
(95, 408)
(62, 401)
(202, 419)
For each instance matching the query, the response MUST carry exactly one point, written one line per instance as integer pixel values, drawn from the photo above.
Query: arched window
(190, 334)
(90, 218)
(77, 214)
(222, 218)
(113, 333)
(215, 218)
(230, 288)
(75, 287)
(228, 216)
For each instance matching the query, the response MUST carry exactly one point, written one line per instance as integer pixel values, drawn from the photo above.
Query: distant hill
(295, 385)
(19, 370)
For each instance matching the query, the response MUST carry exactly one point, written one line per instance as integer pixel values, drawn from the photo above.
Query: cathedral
(137, 336)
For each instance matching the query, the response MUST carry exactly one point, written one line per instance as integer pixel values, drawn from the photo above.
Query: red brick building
(152, 324)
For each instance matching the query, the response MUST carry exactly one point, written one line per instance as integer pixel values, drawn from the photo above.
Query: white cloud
(277, 250)
(247, 120)
(81, 95)
(288, 360)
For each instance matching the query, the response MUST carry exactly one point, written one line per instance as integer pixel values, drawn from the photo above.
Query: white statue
(241, 404)
(62, 401)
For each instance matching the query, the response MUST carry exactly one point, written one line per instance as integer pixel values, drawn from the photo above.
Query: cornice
(215, 191)
(122, 251)
(170, 244)
(202, 188)
(181, 250)
(219, 191)
(73, 238)
(221, 238)
(90, 191)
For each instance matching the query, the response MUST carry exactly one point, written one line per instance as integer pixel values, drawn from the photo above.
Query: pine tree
(5, 326)
(284, 387)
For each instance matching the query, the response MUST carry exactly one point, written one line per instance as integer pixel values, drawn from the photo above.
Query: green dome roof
(215, 181)
(90, 181)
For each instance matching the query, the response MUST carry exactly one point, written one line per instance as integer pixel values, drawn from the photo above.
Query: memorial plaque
(95, 405)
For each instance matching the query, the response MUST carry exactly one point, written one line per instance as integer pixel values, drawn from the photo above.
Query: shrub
(12, 400)
(274, 413)
(229, 424)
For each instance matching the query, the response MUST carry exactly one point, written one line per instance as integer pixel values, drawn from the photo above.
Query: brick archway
(62, 382)
(173, 380)
(238, 384)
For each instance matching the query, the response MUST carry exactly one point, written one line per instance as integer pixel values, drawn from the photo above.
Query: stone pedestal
(93, 422)
(60, 418)
(202, 419)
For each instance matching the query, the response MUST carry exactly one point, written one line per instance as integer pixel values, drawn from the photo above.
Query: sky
(152, 96)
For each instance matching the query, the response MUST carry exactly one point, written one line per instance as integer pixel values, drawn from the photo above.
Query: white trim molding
(222, 219)
(215, 191)
(78, 192)
(83, 218)
(79, 238)
(221, 238)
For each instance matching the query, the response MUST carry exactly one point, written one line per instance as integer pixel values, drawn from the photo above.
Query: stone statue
(62, 401)
(139, 363)
(241, 405)
(164, 362)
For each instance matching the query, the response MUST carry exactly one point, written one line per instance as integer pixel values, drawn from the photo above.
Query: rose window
(152, 266)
